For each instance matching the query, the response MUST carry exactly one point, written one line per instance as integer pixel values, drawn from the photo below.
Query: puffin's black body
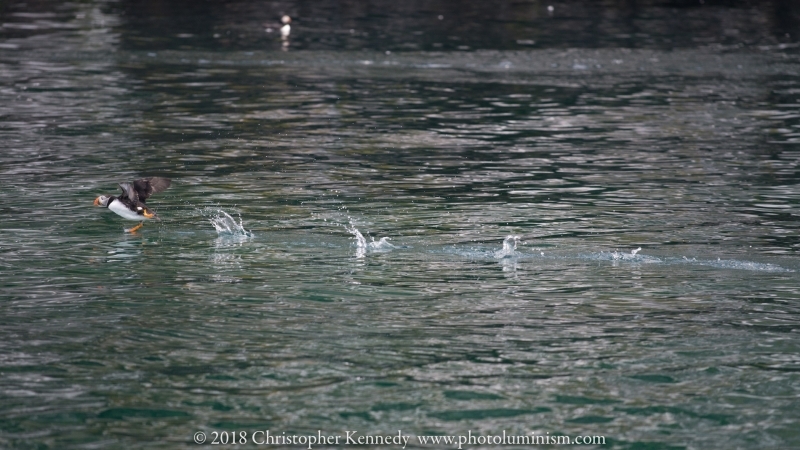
(131, 203)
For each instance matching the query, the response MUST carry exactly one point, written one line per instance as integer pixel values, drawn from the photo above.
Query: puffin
(130, 204)
(286, 28)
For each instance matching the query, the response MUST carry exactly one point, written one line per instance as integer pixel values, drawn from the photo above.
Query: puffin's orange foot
(135, 229)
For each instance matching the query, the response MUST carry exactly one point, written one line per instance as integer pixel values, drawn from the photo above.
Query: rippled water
(524, 231)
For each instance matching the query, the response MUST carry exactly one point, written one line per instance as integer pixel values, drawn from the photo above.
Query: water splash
(361, 242)
(509, 249)
(381, 244)
(625, 256)
(362, 245)
(225, 224)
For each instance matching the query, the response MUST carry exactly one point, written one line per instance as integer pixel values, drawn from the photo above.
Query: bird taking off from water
(130, 204)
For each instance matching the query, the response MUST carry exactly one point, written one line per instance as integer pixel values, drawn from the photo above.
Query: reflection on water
(431, 217)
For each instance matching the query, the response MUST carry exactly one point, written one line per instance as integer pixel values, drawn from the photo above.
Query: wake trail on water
(227, 226)
(636, 258)
(509, 251)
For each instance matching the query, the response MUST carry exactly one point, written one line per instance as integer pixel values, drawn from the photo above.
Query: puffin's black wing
(129, 192)
(148, 186)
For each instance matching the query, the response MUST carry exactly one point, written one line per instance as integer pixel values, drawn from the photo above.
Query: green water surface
(646, 157)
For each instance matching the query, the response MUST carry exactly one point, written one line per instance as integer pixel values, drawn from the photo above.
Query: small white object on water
(286, 28)
(550, 9)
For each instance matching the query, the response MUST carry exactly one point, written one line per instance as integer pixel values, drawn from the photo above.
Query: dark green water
(646, 156)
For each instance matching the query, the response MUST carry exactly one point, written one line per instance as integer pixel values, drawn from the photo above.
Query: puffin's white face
(102, 201)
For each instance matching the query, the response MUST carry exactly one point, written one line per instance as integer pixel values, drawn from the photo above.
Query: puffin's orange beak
(97, 201)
